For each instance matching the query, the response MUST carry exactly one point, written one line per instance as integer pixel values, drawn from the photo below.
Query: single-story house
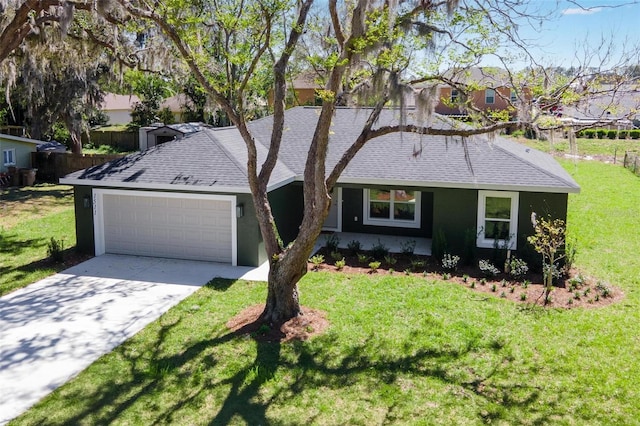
(16, 152)
(190, 198)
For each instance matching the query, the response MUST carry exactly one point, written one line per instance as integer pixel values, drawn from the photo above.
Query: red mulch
(586, 295)
(302, 327)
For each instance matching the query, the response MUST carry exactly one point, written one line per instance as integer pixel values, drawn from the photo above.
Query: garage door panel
(185, 228)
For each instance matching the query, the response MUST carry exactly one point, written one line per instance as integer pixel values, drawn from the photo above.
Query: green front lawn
(29, 217)
(399, 350)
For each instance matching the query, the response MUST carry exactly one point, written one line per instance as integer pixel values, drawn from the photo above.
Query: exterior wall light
(86, 201)
(239, 210)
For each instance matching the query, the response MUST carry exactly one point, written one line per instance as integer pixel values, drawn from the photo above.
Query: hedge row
(609, 134)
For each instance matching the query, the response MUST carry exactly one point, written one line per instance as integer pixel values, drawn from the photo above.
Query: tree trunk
(283, 299)
(76, 142)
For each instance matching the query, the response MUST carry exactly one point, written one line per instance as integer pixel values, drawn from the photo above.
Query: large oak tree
(365, 52)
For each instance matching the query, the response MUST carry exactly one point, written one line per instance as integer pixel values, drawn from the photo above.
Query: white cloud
(581, 11)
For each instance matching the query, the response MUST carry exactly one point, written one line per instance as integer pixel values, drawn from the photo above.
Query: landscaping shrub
(331, 242)
(317, 260)
(634, 134)
(354, 247)
(612, 134)
(450, 262)
(379, 250)
(622, 134)
(336, 255)
(373, 266)
(487, 268)
(601, 133)
(390, 260)
(518, 267)
(408, 247)
(55, 250)
(589, 133)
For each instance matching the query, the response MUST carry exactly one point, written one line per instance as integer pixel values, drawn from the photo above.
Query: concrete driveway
(54, 328)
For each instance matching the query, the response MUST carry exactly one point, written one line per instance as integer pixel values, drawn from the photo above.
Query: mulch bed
(581, 292)
(528, 291)
(247, 323)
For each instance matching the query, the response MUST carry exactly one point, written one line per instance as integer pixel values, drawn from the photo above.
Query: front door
(333, 222)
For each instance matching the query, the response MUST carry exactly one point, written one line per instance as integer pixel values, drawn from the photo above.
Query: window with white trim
(392, 207)
(454, 95)
(513, 96)
(497, 219)
(9, 157)
(489, 96)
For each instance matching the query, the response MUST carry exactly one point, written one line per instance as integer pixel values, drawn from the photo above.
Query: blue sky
(574, 27)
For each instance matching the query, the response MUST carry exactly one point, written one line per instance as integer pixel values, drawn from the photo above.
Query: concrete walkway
(54, 328)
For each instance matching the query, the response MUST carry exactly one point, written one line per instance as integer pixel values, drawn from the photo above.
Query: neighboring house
(156, 135)
(493, 91)
(16, 152)
(119, 107)
(615, 108)
(190, 198)
(301, 91)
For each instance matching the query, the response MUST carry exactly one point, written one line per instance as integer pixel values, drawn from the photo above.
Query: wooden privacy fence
(54, 165)
(632, 161)
(124, 141)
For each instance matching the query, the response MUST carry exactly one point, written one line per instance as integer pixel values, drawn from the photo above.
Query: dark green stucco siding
(456, 210)
(287, 206)
(454, 213)
(544, 205)
(352, 214)
(249, 237)
(84, 220)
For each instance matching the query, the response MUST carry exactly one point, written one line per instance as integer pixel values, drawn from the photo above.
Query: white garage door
(169, 225)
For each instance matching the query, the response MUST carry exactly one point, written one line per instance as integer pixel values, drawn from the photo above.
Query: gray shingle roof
(420, 160)
(210, 158)
(216, 158)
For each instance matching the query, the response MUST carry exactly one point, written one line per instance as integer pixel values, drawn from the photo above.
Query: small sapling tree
(548, 240)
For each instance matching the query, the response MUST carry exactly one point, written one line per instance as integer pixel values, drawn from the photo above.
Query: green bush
(379, 250)
(55, 250)
(635, 133)
(601, 133)
(622, 134)
(589, 133)
(612, 134)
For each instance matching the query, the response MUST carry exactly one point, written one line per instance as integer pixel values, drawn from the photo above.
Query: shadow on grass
(19, 274)
(12, 245)
(186, 379)
(22, 194)
(220, 284)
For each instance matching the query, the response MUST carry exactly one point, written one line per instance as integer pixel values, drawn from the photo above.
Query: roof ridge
(531, 163)
(230, 156)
